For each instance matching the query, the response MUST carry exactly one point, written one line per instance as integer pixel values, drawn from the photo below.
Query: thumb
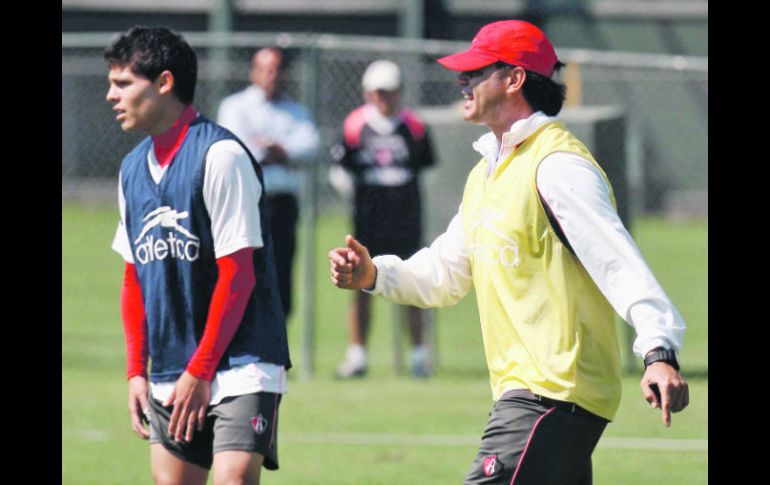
(170, 399)
(648, 390)
(353, 244)
(144, 403)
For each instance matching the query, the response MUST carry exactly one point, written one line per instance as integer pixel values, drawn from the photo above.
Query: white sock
(356, 354)
(419, 354)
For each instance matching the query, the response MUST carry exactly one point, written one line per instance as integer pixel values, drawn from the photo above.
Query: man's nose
(111, 94)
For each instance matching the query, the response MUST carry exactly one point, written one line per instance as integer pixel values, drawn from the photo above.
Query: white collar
(383, 125)
(490, 149)
(260, 96)
(257, 92)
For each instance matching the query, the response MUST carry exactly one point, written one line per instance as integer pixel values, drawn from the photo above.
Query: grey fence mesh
(664, 100)
(645, 118)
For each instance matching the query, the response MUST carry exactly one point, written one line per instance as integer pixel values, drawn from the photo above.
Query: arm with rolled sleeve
(579, 199)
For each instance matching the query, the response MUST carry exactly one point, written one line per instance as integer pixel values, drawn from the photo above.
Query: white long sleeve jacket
(576, 193)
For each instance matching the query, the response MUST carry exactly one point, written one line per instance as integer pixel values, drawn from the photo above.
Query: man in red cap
(539, 238)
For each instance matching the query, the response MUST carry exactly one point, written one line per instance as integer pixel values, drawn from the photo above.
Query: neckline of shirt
(165, 145)
(488, 146)
(383, 125)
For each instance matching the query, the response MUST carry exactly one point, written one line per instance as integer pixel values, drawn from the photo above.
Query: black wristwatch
(662, 355)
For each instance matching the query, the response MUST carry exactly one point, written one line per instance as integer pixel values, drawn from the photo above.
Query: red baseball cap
(514, 42)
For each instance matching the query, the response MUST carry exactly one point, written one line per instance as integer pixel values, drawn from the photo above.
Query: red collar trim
(167, 144)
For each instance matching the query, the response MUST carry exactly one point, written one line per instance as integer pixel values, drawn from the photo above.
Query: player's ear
(516, 78)
(165, 82)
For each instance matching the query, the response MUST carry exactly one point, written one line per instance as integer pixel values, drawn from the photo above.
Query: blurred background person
(384, 148)
(280, 134)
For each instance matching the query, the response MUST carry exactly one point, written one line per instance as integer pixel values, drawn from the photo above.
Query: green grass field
(384, 429)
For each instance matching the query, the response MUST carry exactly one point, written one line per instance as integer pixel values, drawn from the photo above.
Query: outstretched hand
(665, 388)
(352, 267)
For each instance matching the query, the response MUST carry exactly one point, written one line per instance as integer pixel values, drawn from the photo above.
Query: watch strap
(662, 355)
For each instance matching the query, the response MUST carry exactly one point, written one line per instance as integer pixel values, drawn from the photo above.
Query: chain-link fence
(645, 117)
(664, 103)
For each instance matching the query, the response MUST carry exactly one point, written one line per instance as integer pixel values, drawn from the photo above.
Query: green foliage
(381, 430)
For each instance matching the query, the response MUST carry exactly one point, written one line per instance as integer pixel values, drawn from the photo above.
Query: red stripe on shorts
(529, 440)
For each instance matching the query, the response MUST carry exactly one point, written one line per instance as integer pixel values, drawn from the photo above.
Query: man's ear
(165, 82)
(516, 78)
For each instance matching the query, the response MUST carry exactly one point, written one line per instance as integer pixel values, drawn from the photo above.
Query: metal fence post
(411, 19)
(309, 216)
(220, 22)
(635, 179)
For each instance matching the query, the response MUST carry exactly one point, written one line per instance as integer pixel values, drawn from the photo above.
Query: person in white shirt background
(282, 136)
(538, 236)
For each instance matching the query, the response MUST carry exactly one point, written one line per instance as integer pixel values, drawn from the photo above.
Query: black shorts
(388, 220)
(538, 441)
(246, 423)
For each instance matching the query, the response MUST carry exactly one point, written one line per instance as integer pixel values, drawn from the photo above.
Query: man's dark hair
(148, 51)
(542, 93)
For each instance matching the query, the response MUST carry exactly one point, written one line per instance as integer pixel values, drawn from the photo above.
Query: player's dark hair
(542, 93)
(148, 51)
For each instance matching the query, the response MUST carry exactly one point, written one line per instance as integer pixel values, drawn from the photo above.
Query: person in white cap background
(538, 237)
(384, 148)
